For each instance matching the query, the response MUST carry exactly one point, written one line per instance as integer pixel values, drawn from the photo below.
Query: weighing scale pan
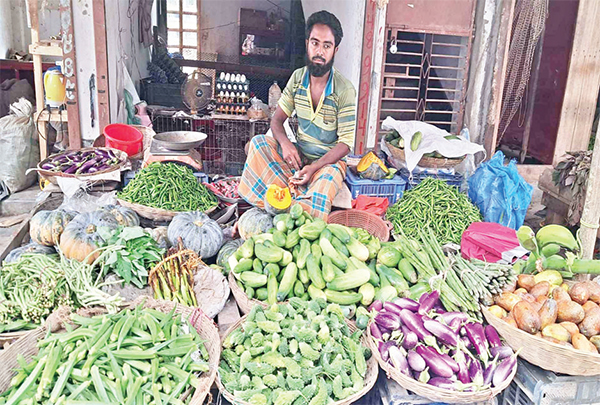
(180, 140)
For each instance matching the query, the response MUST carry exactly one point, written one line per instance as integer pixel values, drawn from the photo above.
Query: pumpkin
(81, 237)
(254, 222)
(277, 199)
(197, 231)
(32, 247)
(124, 216)
(227, 250)
(371, 167)
(45, 227)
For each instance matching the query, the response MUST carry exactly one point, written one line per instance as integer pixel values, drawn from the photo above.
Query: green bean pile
(435, 204)
(168, 186)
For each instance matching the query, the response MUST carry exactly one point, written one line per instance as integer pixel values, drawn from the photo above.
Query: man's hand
(303, 176)
(290, 154)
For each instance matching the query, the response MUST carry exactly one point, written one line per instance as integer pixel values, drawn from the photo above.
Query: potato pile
(544, 306)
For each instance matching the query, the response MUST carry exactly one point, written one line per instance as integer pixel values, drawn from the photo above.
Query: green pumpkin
(227, 250)
(32, 247)
(124, 216)
(45, 227)
(80, 238)
(254, 222)
(197, 231)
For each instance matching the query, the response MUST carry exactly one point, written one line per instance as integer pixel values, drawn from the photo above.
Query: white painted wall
(351, 14)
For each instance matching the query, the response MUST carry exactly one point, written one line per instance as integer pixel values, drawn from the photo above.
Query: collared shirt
(332, 122)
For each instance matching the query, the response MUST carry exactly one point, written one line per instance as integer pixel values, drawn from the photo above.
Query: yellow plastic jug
(54, 87)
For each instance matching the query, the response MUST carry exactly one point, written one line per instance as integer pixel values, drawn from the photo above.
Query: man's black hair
(328, 19)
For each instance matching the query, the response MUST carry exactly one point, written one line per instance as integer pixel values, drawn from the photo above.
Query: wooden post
(69, 70)
(101, 64)
(583, 81)
(591, 207)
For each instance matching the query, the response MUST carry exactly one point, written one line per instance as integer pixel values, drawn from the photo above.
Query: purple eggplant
(443, 333)
(71, 170)
(449, 360)
(87, 153)
(503, 371)
(492, 336)
(414, 323)
(488, 373)
(463, 373)
(410, 338)
(391, 307)
(102, 167)
(450, 316)
(477, 337)
(384, 348)
(443, 383)
(92, 170)
(436, 363)
(467, 343)
(455, 324)
(84, 167)
(375, 332)
(388, 320)
(476, 372)
(415, 361)
(48, 166)
(375, 305)
(428, 301)
(501, 351)
(406, 303)
(398, 360)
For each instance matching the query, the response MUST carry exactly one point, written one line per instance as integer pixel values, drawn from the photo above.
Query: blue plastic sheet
(500, 192)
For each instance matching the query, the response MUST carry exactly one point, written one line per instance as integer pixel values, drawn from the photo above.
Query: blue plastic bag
(500, 193)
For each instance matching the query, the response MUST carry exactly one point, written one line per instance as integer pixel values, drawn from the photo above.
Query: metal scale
(176, 146)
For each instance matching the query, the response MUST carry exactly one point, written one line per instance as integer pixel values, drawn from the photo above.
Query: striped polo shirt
(332, 122)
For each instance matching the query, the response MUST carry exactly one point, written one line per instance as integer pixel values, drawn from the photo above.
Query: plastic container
(274, 96)
(417, 177)
(533, 385)
(123, 137)
(392, 189)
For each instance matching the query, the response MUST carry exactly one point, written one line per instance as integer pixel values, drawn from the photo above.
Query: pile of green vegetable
(308, 258)
(168, 186)
(299, 353)
(435, 204)
(134, 357)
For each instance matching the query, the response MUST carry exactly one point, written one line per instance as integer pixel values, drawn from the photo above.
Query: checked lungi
(265, 165)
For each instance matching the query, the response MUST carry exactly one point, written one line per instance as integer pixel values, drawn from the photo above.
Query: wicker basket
(430, 392)
(27, 346)
(545, 354)
(360, 219)
(429, 162)
(155, 214)
(370, 376)
(241, 297)
(10, 337)
(52, 176)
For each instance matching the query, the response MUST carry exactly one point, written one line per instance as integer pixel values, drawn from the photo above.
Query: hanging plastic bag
(500, 192)
(492, 243)
(19, 146)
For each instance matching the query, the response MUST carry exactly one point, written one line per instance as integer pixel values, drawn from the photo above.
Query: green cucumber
(314, 273)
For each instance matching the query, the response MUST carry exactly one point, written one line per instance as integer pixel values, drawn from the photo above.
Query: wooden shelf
(46, 48)
(262, 32)
(55, 116)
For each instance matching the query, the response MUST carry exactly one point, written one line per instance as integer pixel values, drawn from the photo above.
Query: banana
(556, 234)
(526, 238)
(550, 249)
(554, 263)
(416, 140)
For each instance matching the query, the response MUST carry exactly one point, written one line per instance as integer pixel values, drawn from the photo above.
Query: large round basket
(155, 214)
(430, 162)
(27, 345)
(370, 376)
(241, 297)
(545, 354)
(10, 337)
(52, 177)
(434, 393)
(360, 219)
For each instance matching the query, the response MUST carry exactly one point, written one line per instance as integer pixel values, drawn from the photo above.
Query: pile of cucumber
(309, 259)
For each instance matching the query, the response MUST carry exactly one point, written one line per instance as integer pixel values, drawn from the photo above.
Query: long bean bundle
(436, 205)
(168, 186)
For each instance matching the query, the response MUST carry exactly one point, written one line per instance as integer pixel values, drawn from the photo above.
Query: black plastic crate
(167, 95)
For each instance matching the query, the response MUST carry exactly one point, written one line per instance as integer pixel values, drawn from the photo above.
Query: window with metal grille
(425, 78)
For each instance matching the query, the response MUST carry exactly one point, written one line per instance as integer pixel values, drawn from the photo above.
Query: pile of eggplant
(80, 162)
(443, 349)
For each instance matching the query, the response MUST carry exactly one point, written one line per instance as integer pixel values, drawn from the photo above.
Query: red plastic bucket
(123, 137)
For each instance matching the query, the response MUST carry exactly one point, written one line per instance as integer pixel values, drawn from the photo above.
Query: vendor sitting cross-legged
(324, 102)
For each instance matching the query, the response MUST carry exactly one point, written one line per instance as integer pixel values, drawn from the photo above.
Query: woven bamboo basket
(360, 219)
(9, 337)
(370, 376)
(241, 297)
(27, 345)
(155, 214)
(547, 355)
(434, 393)
(429, 162)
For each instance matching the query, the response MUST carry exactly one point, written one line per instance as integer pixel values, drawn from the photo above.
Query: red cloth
(490, 242)
(374, 205)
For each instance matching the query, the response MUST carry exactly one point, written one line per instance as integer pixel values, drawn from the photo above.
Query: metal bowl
(180, 140)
